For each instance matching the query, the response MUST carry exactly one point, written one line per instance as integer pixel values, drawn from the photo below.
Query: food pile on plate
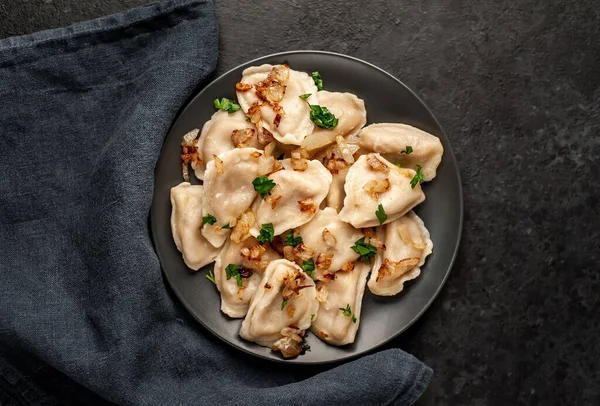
(300, 204)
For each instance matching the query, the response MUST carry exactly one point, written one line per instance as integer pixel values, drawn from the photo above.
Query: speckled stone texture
(516, 86)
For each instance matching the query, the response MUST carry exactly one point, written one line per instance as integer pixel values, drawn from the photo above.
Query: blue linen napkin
(85, 316)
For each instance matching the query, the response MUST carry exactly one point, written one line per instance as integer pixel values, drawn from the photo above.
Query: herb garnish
(407, 150)
(364, 249)
(418, 178)
(348, 313)
(226, 227)
(309, 268)
(291, 240)
(317, 79)
(209, 218)
(267, 232)
(227, 105)
(211, 277)
(233, 271)
(380, 213)
(312, 317)
(304, 96)
(263, 185)
(283, 304)
(322, 117)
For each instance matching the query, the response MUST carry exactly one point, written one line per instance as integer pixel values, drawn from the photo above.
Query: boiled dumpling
(282, 308)
(295, 198)
(248, 259)
(270, 96)
(186, 220)
(331, 240)
(228, 190)
(336, 195)
(391, 139)
(407, 244)
(340, 305)
(373, 180)
(222, 133)
(350, 112)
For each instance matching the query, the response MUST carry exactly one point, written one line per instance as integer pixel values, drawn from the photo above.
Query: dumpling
(228, 190)
(222, 133)
(270, 96)
(248, 259)
(340, 305)
(407, 243)
(296, 196)
(186, 220)
(390, 139)
(282, 308)
(373, 180)
(350, 112)
(331, 240)
(336, 195)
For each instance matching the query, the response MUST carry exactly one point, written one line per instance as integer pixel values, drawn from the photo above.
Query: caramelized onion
(328, 238)
(376, 186)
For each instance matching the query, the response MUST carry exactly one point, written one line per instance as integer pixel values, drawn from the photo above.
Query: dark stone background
(516, 85)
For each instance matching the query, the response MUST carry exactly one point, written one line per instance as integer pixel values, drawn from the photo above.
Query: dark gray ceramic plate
(386, 100)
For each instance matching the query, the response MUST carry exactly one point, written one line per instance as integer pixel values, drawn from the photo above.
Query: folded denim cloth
(85, 315)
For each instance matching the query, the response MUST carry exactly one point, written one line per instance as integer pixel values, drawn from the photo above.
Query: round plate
(386, 100)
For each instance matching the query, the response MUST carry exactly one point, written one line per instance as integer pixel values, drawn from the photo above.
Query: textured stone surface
(516, 85)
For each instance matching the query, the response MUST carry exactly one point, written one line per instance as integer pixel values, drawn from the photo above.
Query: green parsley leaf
(309, 267)
(407, 151)
(380, 213)
(263, 185)
(304, 96)
(364, 249)
(283, 304)
(209, 218)
(312, 317)
(233, 271)
(418, 178)
(317, 79)
(211, 277)
(398, 165)
(226, 227)
(291, 240)
(348, 312)
(305, 347)
(227, 105)
(267, 232)
(322, 117)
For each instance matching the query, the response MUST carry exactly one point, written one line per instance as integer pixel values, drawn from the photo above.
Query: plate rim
(294, 361)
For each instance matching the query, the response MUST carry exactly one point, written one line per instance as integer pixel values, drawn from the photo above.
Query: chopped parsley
(418, 178)
(304, 96)
(267, 232)
(364, 249)
(226, 227)
(233, 271)
(305, 347)
(227, 105)
(308, 267)
(211, 277)
(348, 312)
(322, 117)
(408, 150)
(291, 240)
(312, 317)
(380, 213)
(317, 79)
(263, 185)
(209, 218)
(283, 304)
